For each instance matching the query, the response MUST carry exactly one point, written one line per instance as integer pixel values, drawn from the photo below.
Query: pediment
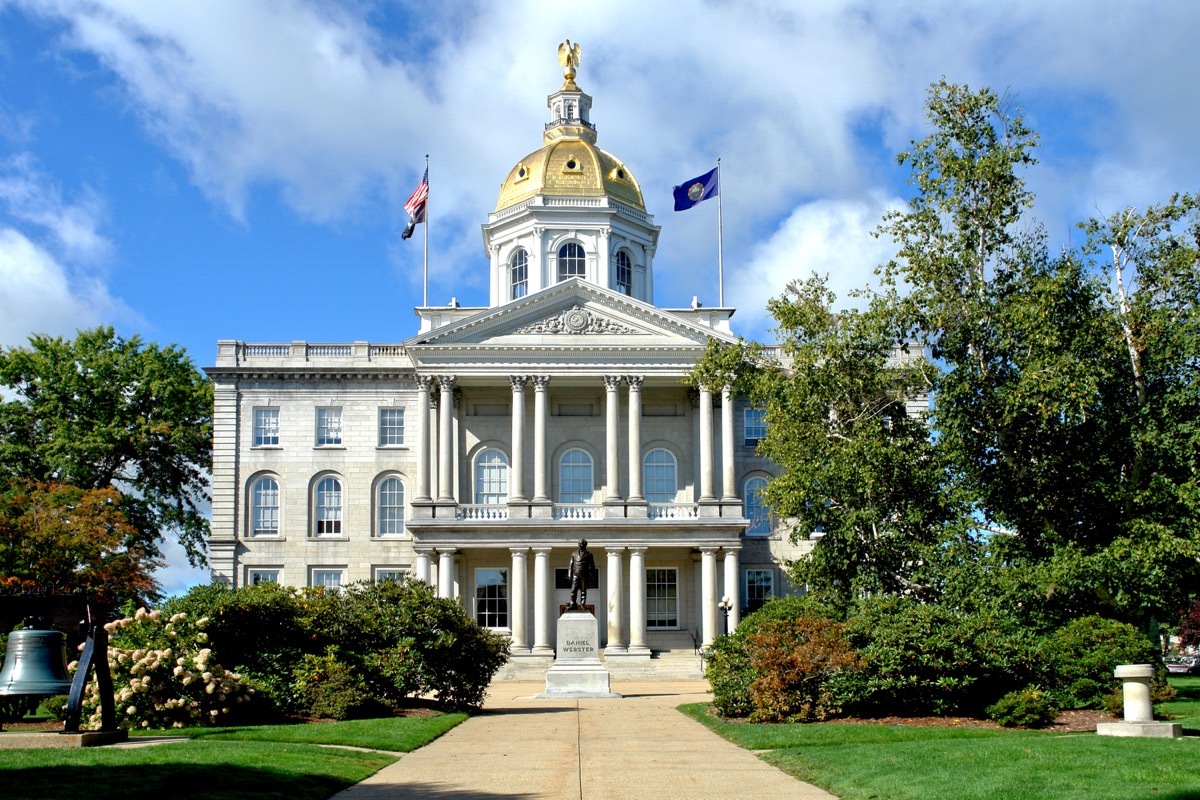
(569, 316)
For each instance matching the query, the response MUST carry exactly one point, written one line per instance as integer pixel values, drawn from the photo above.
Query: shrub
(793, 661)
(256, 629)
(728, 667)
(1079, 659)
(330, 688)
(1026, 708)
(164, 675)
(928, 659)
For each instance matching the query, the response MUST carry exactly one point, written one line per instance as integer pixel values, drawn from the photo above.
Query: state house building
(477, 453)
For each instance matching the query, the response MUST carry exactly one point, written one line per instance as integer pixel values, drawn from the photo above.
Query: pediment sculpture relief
(576, 320)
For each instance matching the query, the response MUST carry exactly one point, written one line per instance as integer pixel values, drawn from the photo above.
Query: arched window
(624, 272)
(264, 507)
(328, 507)
(389, 508)
(658, 476)
(518, 270)
(491, 477)
(575, 482)
(754, 508)
(571, 261)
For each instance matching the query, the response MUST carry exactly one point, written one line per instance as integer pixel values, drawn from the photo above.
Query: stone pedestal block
(577, 670)
(1139, 711)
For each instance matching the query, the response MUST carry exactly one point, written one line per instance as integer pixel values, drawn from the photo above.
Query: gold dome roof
(571, 167)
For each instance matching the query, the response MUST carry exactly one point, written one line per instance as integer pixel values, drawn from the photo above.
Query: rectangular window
(391, 427)
(760, 587)
(662, 598)
(266, 427)
(256, 576)
(329, 427)
(756, 425)
(330, 579)
(491, 598)
(390, 574)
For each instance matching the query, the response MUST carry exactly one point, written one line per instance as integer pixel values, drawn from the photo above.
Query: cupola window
(571, 261)
(624, 283)
(519, 273)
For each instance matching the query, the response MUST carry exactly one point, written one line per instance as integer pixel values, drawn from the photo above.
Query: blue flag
(697, 190)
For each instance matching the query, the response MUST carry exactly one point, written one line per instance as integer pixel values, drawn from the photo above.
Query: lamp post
(725, 605)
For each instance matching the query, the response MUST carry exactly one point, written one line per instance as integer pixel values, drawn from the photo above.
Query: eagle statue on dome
(568, 59)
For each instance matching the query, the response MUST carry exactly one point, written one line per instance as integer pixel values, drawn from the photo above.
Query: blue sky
(193, 171)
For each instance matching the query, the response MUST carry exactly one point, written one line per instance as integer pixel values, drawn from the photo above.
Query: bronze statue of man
(581, 567)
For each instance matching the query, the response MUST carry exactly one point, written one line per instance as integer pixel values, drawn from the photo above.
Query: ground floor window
(330, 579)
(491, 598)
(256, 576)
(389, 574)
(662, 598)
(760, 587)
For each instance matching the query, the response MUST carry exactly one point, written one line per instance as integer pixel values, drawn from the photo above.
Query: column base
(638, 650)
(615, 650)
(1148, 730)
(541, 650)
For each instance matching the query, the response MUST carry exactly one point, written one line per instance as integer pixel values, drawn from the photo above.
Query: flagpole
(720, 248)
(425, 302)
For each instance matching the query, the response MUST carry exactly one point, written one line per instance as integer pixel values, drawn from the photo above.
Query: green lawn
(272, 762)
(861, 762)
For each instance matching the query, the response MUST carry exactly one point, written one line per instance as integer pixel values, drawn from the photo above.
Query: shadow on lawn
(191, 782)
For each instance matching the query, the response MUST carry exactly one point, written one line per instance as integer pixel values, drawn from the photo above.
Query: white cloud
(827, 237)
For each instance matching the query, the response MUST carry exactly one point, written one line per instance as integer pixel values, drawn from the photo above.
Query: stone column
(423, 449)
(616, 628)
(706, 445)
(446, 439)
(728, 479)
(635, 441)
(612, 421)
(446, 573)
(516, 486)
(637, 600)
(733, 587)
(517, 603)
(708, 586)
(542, 593)
(435, 409)
(541, 411)
(422, 566)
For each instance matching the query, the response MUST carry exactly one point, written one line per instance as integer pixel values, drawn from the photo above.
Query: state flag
(697, 190)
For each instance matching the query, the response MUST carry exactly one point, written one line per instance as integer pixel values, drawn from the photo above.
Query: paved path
(635, 747)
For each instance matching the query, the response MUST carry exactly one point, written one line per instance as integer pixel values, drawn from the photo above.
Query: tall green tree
(101, 411)
(1045, 403)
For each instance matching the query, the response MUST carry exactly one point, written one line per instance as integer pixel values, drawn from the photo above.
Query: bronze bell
(36, 664)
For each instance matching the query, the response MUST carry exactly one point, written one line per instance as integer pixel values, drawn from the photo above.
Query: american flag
(416, 204)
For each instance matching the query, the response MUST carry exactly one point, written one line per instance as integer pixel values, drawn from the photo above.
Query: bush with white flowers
(164, 675)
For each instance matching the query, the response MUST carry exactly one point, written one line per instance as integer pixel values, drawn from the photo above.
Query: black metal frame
(94, 657)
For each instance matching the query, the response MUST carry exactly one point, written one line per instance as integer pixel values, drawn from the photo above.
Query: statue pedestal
(577, 671)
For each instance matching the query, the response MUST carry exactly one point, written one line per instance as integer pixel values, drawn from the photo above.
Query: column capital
(614, 548)
(518, 551)
(612, 382)
(709, 551)
(424, 551)
(447, 382)
(634, 382)
(638, 550)
(540, 382)
(423, 382)
(734, 550)
(541, 550)
(518, 382)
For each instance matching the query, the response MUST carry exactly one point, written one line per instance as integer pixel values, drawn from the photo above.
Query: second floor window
(575, 482)
(391, 427)
(571, 261)
(756, 425)
(264, 507)
(658, 474)
(755, 509)
(390, 508)
(329, 427)
(491, 478)
(519, 274)
(328, 507)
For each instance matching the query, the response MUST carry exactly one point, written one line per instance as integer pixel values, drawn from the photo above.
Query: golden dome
(571, 167)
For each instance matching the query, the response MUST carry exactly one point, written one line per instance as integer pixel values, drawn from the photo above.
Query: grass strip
(890, 762)
(271, 762)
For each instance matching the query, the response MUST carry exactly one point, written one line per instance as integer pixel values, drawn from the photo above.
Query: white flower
(201, 637)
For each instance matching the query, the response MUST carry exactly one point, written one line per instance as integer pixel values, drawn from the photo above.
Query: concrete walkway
(635, 747)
